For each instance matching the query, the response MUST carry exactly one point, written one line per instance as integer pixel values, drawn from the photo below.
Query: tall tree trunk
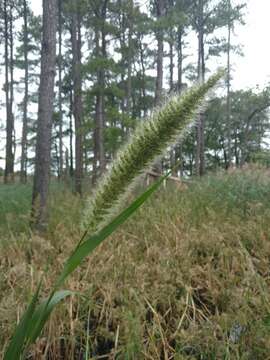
(130, 53)
(143, 87)
(102, 156)
(23, 170)
(98, 115)
(179, 58)
(60, 89)
(200, 161)
(236, 150)
(99, 151)
(171, 67)
(171, 64)
(180, 88)
(71, 165)
(11, 65)
(160, 5)
(45, 112)
(160, 52)
(9, 167)
(67, 166)
(228, 103)
(77, 104)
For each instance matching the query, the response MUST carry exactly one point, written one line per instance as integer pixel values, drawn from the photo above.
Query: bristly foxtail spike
(149, 141)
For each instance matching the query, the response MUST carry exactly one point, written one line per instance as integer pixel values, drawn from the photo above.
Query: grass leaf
(84, 249)
(43, 311)
(17, 344)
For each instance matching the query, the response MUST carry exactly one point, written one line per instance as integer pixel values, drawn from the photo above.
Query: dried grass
(174, 283)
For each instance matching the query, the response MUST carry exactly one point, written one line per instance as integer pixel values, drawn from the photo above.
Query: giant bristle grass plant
(149, 141)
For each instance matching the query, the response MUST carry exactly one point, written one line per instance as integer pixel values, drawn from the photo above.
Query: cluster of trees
(104, 65)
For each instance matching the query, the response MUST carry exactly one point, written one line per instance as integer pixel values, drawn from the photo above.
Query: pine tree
(45, 112)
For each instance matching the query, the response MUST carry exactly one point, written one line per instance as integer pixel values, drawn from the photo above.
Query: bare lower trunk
(179, 147)
(171, 67)
(99, 150)
(180, 59)
(60, 89)
(77, 104)
(143, 88)
(9, 168)
(160, 53)
(71, 165)
(45, 111)
(228, 104)
(128, 105)
(157, 167)
(200, 161)
(23, 170)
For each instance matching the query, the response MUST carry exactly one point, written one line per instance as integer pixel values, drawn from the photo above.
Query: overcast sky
(254, 67)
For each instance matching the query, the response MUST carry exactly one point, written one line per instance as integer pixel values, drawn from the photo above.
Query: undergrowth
(186, 278)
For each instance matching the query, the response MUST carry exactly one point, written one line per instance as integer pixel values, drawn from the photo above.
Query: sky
(254, 68)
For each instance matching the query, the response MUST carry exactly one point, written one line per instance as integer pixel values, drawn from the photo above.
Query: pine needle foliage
(149, 141)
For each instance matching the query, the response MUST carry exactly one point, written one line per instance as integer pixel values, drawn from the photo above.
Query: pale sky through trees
(248, 71)
(254, 67)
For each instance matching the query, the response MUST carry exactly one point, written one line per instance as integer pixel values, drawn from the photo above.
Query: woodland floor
(187, 277)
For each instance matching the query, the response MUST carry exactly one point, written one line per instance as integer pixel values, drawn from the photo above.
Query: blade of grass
(17, 344)
(34, 319)
(92, 241)
(42, 313)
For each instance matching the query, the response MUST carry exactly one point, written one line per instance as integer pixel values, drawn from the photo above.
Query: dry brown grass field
(186, 278)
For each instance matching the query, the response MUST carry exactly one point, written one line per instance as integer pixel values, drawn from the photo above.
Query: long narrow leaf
(35, 318)
(42, 313)
(93, 241)
(17, 344)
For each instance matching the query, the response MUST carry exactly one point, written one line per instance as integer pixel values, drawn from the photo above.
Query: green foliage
(15, 203)
(249, 127)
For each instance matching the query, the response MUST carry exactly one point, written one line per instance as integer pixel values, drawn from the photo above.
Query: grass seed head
(149, 141)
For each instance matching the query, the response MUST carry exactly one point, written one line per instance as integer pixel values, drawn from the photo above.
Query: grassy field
(187, 277)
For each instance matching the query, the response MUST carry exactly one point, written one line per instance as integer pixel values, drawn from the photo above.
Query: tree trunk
(143, 87)
(67, 166)
(23, 171)
(99, 151)
(130, 53)
(200, 161)
(60, 89)
(9, 167)
(11, 65)
(171, 64)
(157, 167)
(102, 157)
(179, 146)
(180, 59)
(98, 114)
(160, 53)
(228, 102)
(45, 112)
(77, 104)
(171, 67)
(71, 165)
